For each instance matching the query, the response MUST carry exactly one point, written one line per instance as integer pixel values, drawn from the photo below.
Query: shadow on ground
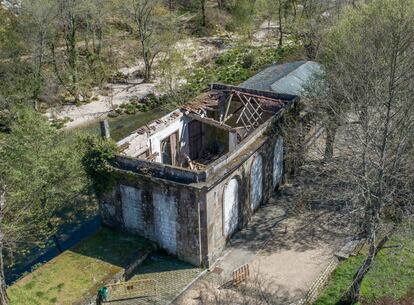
(114, 247)
(316, 222)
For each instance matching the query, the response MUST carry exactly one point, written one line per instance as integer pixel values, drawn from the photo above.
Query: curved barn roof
(288, 78)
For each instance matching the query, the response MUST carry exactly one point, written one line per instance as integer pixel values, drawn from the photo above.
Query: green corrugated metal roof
(288, 78)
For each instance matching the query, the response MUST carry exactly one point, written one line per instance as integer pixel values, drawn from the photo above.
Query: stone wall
(258, 168)
(193, 214)
(164, 212)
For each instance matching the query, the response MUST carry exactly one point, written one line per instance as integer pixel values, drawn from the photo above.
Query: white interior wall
(139, 143)
(179, 125)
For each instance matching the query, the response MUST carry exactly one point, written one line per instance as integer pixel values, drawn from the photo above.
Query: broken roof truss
(235, 109)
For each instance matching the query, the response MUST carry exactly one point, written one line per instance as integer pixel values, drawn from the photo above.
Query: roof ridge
(286, 75)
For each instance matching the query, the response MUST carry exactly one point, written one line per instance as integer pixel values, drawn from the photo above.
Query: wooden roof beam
(211, 122)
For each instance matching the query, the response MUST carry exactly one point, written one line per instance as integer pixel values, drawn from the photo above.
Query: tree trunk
(353, 293)
(4, 300)
(280, 25)
(203, 13)
(294, 6)
(147, 65)
(55, 238)
(330, 141)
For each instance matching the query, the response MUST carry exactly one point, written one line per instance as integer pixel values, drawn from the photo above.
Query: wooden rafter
(251, 116)
(210, 121)
(228, 107)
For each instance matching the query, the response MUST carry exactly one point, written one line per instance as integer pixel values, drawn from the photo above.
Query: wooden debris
(240, 275)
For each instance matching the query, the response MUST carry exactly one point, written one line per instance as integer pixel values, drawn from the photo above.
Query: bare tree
(145, 21)
(368, 67)
(154, 27)
(203, 12)
(67, 28)
(40, 15)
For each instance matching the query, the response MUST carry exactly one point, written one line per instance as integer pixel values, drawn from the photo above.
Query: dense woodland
(61, 52)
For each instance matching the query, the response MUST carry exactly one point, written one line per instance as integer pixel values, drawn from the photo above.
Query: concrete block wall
(132, 208)
(188, 218)
(163, 212)
(165, 221)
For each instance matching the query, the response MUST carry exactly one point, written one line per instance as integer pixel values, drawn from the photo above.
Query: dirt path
(286, 253)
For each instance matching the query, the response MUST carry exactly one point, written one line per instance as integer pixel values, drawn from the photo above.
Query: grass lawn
(79, 271)
(392, 274)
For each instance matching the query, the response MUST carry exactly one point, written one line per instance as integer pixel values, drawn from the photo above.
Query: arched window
(278, 162)
(256, 182)
(231, 206)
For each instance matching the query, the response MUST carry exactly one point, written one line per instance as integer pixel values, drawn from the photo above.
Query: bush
(98, 154)
(60, 123)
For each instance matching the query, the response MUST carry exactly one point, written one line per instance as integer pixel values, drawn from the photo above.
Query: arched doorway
(231, 206)
(256, 182)
(278, 162)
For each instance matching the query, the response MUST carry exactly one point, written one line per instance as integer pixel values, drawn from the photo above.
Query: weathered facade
(193, 178)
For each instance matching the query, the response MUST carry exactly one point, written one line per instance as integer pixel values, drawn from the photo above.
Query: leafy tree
(171, 67)
(98, 154)
(153, 26)
(16, 76)
(41, 173)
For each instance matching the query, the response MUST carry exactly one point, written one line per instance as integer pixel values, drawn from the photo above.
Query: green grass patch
(392, 274)
(79, 271)
(123, 125)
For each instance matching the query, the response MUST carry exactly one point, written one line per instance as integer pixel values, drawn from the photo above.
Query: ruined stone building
(194, 177)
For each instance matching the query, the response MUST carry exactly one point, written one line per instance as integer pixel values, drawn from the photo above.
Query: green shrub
(60, 123)
(98, 154)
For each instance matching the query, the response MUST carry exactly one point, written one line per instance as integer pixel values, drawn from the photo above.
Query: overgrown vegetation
(97, 157)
